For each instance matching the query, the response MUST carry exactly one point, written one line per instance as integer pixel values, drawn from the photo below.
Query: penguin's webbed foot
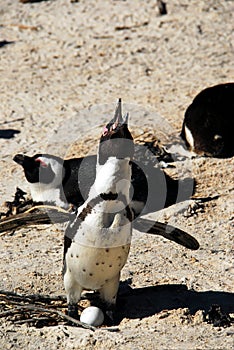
(72, 310)
(111, 317)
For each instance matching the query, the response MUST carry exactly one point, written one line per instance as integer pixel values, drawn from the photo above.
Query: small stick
(30, 218)
(29, 307)
(132, 27)
(12, 121)
(28, 320)
(44, 206)
(21, 26)
(39, 297)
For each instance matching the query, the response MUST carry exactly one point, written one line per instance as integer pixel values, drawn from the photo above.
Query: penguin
(97, 242)
(209, 122)
(55, 181)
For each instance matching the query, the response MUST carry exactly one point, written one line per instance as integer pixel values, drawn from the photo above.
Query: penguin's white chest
(97, 254)
(105, 228)
(46, 194)
(93, 267)
(189, 137)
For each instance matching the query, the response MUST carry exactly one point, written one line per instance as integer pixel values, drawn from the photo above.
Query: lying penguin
(97, 242)
(209, 122)
(53, 180)
(61, 182)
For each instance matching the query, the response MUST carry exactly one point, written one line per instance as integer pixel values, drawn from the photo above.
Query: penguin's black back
(210, 118)
(80, 174)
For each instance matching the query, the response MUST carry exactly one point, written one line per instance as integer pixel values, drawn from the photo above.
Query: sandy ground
(63, 65)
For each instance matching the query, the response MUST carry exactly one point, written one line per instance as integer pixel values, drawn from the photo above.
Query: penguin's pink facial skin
(110, 129)
(43, 164)
(105, 131)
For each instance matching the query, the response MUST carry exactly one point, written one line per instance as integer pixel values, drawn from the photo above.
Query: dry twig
(42, 312)
(36, 215)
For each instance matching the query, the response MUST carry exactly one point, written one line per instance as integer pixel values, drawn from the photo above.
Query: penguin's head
(116, 140)
(43, 168)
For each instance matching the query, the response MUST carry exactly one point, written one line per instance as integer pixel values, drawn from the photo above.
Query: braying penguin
(97, 242)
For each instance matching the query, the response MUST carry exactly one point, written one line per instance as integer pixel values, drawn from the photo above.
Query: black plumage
(210, 121)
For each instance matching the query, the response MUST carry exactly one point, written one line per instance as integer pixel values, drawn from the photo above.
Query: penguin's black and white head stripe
(45, 174)
(43, 168)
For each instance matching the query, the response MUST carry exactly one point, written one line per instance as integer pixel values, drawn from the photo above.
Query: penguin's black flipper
(167, 231)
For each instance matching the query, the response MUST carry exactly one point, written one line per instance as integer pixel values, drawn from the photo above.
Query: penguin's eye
(43, 164)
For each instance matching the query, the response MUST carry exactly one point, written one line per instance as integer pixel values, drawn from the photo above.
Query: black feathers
(210, 119)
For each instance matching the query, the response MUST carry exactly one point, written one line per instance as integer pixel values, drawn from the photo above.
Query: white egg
(92, 316)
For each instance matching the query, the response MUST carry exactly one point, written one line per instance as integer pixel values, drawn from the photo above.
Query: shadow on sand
(8, 133)
(5, 42)
(145, 302)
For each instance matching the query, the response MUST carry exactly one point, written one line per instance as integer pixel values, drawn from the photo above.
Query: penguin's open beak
(117, 123)
(118, 113)
(118, 120)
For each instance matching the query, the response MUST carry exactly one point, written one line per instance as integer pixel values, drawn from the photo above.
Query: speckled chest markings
(93, 267)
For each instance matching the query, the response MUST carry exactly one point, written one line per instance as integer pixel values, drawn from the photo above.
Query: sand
(63, 65)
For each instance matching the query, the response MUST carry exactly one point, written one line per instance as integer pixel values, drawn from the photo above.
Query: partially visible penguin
(56, 181)
(97, 242)
(208, 125)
